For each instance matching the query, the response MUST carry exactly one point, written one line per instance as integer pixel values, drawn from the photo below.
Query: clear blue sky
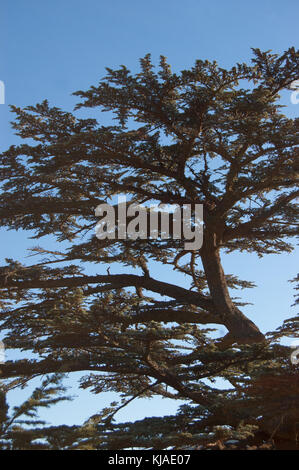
(50, 49)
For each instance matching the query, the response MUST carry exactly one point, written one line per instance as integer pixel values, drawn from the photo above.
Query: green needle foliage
(203, 136)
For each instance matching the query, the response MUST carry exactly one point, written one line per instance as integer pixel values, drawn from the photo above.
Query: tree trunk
(241, 329)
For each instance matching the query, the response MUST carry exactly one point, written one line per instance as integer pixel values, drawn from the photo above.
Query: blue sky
(50, 49)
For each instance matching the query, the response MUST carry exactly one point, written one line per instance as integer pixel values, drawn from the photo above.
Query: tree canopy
(205, 136)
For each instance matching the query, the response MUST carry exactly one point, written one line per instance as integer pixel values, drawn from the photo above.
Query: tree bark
(241, 329)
